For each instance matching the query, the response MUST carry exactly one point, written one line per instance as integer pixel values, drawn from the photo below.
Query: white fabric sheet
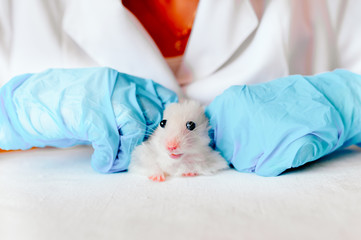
(54, 194)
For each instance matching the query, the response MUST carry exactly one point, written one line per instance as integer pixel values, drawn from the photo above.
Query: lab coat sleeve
(346, 19)
(5, 39)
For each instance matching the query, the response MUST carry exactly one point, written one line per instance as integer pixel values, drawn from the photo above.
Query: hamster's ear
(182, 99)
(188, 100)
(192, 102)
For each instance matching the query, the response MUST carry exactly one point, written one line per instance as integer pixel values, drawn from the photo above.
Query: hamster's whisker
(140, 123)
(131, 145)
(148, 128)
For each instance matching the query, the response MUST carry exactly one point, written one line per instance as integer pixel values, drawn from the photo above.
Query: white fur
(152, 157)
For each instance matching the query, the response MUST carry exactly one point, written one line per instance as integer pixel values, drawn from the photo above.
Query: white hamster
(179, 146)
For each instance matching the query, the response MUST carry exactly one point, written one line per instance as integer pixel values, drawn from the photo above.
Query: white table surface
(54, 194)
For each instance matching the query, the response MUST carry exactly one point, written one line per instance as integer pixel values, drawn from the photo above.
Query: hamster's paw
(190, 174)
(157, 177)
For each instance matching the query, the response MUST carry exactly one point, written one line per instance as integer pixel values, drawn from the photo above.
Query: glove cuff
(10, 137)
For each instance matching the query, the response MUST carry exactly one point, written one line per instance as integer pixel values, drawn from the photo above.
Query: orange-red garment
(11, 150)
(168, 22)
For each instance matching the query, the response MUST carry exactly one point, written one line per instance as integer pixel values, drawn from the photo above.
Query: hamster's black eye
(190, 125)
(163, 123)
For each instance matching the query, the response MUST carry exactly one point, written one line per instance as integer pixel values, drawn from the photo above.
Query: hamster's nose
(172, 145)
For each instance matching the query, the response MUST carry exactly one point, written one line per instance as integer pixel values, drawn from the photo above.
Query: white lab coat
(232, 41)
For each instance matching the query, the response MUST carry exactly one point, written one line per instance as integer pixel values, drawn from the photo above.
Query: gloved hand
(268, 128)
(65, 107)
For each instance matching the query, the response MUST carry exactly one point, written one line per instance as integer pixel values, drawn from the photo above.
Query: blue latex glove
(65, 107)
(285, 123)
